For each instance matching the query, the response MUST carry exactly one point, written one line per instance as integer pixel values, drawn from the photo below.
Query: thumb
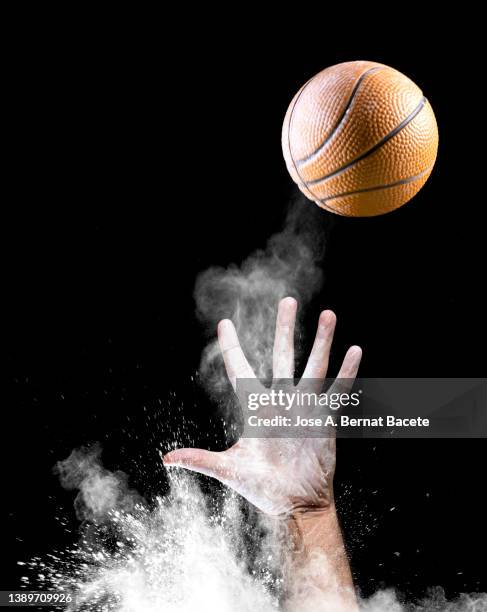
(198, 460)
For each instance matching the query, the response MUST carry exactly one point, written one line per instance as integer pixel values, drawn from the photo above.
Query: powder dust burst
(182, 553)
(177, 555)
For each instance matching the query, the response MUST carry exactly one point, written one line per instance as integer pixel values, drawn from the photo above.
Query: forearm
(318, 575)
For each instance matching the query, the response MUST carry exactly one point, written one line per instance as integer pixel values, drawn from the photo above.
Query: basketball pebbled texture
(360, 139)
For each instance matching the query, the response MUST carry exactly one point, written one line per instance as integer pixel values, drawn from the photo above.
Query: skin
(291, 479)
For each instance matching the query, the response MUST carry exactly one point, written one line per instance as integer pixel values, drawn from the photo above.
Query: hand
(278, 476)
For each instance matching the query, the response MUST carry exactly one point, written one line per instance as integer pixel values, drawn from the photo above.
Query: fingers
(236, 363)
(351, 363)
(346, 376)
(198, 460)
(283, 356)
(317, 365)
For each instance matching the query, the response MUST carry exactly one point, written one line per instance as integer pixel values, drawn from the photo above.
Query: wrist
(313, 529)
(312, 520)
(314, 512)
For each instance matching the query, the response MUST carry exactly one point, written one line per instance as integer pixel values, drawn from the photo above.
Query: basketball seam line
(313, 196)
(375, 147)
(343, 115)
(405, 181)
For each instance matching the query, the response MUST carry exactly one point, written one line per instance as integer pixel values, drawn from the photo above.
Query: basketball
(360, 139)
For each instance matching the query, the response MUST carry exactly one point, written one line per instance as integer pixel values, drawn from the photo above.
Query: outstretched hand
(278, 476)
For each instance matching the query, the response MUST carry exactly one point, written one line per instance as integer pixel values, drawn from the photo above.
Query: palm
(281, 475)
(276, 475)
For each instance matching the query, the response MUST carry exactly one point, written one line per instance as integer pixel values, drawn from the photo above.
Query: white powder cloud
(248, 294)
(99, 490)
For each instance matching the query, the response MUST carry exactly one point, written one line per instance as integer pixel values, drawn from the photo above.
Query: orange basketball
(360, 139)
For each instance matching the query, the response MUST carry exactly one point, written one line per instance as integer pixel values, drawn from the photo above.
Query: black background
(137, 162)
